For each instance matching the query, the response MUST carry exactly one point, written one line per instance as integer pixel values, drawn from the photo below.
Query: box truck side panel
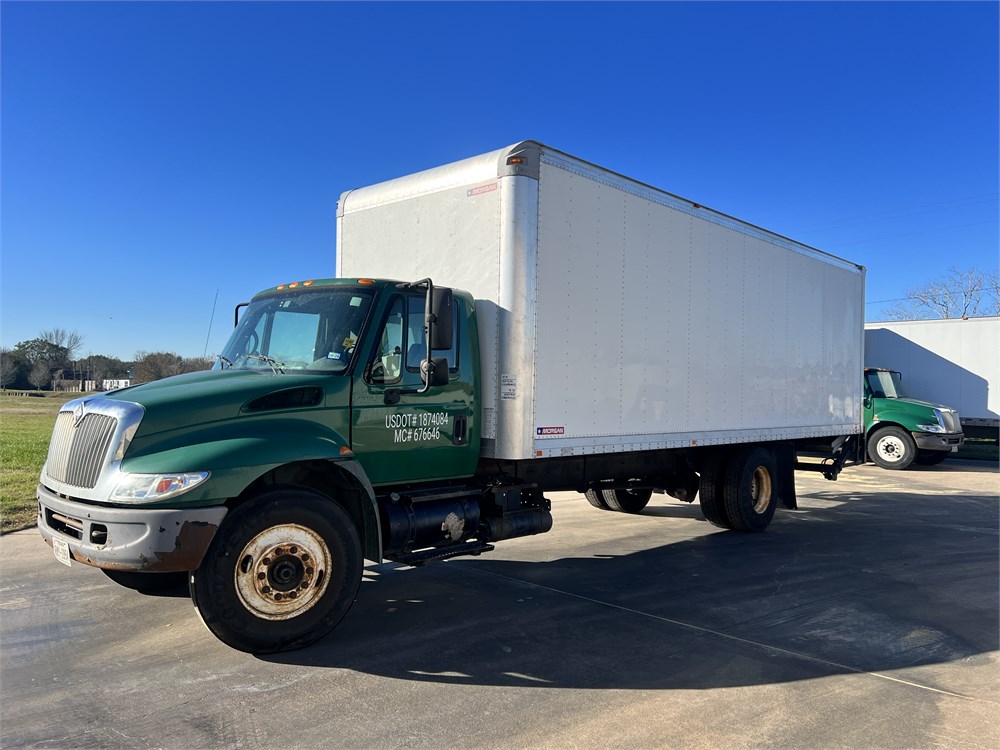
(656, 327)
(952, 362)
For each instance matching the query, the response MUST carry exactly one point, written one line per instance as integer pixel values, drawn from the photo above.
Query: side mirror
(441, 309)
(434, 372)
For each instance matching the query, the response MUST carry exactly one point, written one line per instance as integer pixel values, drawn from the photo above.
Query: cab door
(399, 435)
(869, 404)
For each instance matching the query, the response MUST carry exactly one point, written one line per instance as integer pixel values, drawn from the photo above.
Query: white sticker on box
(508, 387)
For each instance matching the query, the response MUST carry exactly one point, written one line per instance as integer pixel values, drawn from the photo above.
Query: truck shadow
(862, 583)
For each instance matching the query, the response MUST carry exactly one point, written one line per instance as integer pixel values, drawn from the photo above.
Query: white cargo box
(614, 316)
(953, 362)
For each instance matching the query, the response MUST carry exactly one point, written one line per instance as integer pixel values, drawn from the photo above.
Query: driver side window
(387, 364)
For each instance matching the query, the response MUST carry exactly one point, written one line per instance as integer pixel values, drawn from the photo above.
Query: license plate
(61, 550)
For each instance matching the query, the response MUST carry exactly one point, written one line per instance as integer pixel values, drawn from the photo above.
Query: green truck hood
(238, 424)
(903, 403)
(211, 396)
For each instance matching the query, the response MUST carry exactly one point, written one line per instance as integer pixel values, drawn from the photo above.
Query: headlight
(148, 488)
(930, 427)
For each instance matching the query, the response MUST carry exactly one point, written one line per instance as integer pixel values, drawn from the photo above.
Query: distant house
(106, 385)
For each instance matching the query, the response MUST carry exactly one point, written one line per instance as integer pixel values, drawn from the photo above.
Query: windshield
(884, 384)
(312, 330)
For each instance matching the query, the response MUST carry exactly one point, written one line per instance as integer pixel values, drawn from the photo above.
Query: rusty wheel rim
(283, 572)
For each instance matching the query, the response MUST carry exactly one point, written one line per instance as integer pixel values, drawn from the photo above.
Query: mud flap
(784, 454)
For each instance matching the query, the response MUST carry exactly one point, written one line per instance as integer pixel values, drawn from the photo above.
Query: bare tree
(150, 366)
(196, 364)
(68, 340)
(40, 374)
(993, 292)
(959, 294)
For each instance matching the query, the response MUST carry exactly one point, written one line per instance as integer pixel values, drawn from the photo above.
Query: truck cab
(901, 430)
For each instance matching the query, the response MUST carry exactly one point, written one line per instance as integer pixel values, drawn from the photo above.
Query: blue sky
(155, 155)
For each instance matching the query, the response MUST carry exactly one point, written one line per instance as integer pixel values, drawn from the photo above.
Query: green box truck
(503, 326)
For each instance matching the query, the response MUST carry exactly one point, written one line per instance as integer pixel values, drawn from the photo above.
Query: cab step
(422, 557)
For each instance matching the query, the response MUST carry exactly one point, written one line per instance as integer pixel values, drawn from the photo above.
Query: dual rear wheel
(621, 500)
(739, 490)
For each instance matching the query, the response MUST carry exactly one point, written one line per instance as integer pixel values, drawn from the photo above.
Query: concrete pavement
(868, 618)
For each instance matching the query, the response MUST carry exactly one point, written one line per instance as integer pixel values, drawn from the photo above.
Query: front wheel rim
(283, 572)
(891, 449)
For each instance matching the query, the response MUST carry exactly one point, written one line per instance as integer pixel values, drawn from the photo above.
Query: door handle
(461, 427)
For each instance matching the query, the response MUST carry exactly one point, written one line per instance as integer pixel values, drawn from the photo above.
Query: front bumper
(936, 441)
(163, 540)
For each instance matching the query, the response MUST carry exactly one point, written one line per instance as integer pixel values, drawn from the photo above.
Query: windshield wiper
(274, 364)
(225, 360)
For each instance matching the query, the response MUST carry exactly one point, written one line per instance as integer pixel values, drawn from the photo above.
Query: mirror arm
(429, 320)
(236, 313)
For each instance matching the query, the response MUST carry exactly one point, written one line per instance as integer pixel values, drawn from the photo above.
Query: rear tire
(930, 458)
(596, 498)
(892, 448)
(280, 573)
(627, 501)
(710, 492)
(147, 583)
(750, 489)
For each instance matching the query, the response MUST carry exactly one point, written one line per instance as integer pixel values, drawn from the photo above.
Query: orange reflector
(307, 283)
(293, 285)
(538, 454)
(345, 451)
(366, 281)
(279, 288)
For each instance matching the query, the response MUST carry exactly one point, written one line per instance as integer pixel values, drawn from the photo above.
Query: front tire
(281, 572)
(892, 448)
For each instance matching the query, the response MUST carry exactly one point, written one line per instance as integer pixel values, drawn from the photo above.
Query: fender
(240, 453)
(372, 539)
(236, 453)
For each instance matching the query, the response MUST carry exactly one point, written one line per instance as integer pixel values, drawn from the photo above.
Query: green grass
(25, 428)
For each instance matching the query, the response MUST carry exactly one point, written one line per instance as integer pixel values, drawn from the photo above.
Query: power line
(906, 211)
(919, 231)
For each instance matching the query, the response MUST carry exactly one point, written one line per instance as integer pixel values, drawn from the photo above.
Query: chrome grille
(951, 421)
(78, 453)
